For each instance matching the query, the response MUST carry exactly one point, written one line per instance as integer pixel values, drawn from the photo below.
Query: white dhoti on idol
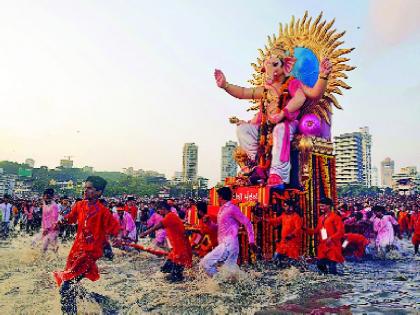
(247, 134)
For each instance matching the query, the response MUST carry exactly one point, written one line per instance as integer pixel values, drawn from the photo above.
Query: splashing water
(133, 284)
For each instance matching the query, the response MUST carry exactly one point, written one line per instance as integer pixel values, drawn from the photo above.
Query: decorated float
(286, 151)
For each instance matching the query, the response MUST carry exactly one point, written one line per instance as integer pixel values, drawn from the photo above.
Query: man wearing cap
(128, 231)
(131, 208)
(94, 223)
(291, 233)
(171, 204)
(330, 228)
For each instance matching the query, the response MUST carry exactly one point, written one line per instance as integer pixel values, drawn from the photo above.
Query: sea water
(133, 284)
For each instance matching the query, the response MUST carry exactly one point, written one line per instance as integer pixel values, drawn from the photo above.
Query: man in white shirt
(6, 210)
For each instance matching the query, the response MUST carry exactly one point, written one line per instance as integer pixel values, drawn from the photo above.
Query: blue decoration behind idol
(306, 68)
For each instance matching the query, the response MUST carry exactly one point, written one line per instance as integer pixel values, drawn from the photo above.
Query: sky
(126, 83)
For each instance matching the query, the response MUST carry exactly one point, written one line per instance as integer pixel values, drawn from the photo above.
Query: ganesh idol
(267, 136)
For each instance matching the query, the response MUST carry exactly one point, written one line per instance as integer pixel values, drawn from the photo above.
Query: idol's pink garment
(283, 132)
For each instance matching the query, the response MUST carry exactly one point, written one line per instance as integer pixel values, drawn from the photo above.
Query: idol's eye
(275, 64)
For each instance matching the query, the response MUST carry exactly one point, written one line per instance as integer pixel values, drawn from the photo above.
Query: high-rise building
(375, 177)
(409, 170)
(229, 166)
(387, 170)
(354, 158)
(407, 181)
(87, 169)
(177, 178)
(23, 189)
(30, 162)
(202, 182)
(349, 158)
(66, 163)
(367, 156)
(189, 162)
(7, 184)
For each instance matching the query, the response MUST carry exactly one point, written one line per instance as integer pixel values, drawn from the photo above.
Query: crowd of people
(182, 228)
(382, 219)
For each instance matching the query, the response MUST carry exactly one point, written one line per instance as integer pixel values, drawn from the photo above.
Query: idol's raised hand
(325, 66)
(220, 78)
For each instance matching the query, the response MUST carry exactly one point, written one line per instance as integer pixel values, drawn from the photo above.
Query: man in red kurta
(330, 228)
(404, 222)
(291, 233)
(415, 228)
(354, 245)
(191, 214)
(204, 241)
(95, 222)
(181, 254)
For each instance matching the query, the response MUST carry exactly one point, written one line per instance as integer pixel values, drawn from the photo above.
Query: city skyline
(375, 176)
(115, 86)
(350, 164)
(228, 165)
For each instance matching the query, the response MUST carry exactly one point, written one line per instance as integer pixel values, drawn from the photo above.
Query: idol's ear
(288, 63)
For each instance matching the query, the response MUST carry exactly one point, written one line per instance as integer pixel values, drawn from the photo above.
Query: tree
(11, 167)
(356, 190)
(118, 183)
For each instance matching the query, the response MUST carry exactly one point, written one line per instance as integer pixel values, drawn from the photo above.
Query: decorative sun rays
(324, 41)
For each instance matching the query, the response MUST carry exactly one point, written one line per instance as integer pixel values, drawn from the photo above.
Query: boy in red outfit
(95, 222)
(181, 254)
(354, 245)
(331, 230)
(205, 240)
(415, 228)
(291, 233)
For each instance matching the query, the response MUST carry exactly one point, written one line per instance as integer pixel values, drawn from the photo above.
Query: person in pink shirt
(229, 219)
(49, 221)
(171, 203)
(383, 225)
(28, 211)
(160, 235)
(128, 231)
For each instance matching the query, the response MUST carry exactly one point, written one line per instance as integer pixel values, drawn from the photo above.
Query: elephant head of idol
(277, 66)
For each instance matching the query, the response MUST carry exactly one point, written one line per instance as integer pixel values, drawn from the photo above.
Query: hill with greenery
(118, 183)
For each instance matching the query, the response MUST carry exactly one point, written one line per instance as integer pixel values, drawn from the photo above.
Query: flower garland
(327, 176)
(310, 203)
(333, 180)
(322, 176)
(324, 173)
(266, 128)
